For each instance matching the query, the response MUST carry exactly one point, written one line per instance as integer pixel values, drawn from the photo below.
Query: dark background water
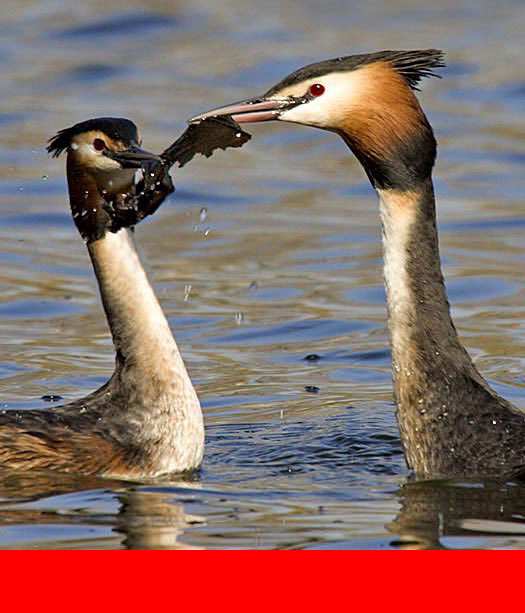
(300, 453)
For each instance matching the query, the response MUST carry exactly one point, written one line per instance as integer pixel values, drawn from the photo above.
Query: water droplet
(74, 146)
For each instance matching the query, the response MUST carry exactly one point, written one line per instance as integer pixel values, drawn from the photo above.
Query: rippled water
(301, 453)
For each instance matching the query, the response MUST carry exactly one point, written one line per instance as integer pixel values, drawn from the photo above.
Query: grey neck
(424, 341)
(451, 422)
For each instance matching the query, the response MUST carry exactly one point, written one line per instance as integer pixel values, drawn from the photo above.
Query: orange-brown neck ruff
(388, 131)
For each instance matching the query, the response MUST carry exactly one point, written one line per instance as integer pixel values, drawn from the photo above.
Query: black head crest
(411, 65)
(117, 128)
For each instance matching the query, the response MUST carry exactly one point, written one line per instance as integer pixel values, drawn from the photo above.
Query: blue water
(301, 453)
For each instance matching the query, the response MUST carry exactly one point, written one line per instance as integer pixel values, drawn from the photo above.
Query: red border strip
(391, 581)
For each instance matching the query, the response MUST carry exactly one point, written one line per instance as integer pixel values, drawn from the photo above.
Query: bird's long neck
(143, 341)
(148, 363)
(425, 345)
(153, 406)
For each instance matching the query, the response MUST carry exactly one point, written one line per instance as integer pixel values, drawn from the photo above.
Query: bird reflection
(147, 517)
(153, 520)
(432, 510)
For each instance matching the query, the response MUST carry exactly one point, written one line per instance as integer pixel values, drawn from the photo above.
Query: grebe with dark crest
(146, 420)
(451, 422)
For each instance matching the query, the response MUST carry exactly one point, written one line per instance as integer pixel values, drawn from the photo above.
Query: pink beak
(249, 111)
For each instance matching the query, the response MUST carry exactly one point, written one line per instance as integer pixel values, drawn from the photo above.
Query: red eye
(99, 144)
(316, 89)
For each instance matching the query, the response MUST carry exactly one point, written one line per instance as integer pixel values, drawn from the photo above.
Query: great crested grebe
(146, 420)
(451, 422)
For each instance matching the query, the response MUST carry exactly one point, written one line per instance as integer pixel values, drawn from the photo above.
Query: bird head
(108, 148)
(103, 157)
(368, 99)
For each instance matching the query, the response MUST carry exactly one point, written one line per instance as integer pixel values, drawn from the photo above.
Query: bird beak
(251, 111)
(132, 157)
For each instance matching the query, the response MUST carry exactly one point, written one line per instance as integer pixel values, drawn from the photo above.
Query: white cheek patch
(342, 91)
(312, 113)
(104, 163)
(91, 158)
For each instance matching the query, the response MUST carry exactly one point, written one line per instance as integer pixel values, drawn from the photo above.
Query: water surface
(301, 453)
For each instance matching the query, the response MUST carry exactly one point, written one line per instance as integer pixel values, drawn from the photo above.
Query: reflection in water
(153, 520)
(433, 511)
(432, 515)
(144, 518)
